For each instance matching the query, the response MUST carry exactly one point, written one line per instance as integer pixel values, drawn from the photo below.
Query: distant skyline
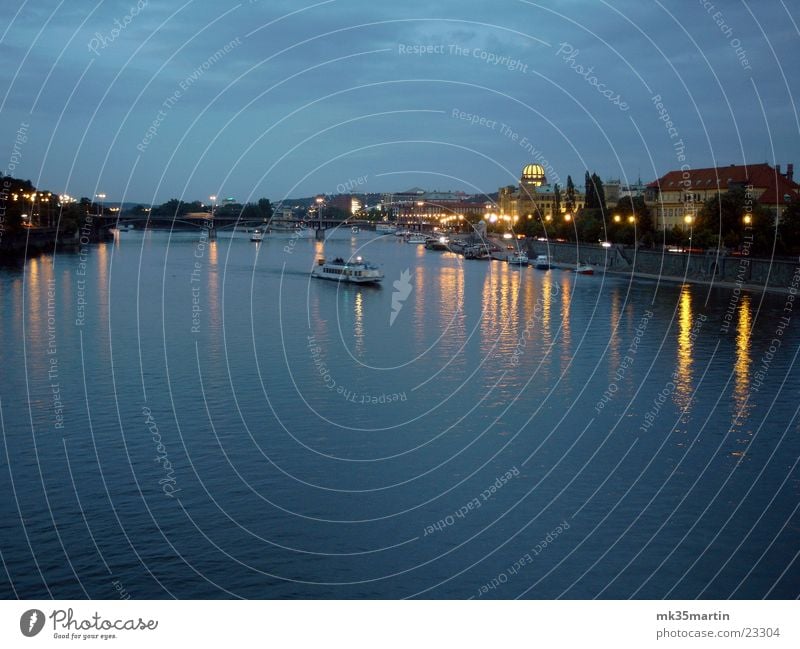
(147, 101)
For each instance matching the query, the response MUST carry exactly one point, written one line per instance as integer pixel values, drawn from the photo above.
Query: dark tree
(170, 208)
(620, 227)
(265, 208)
(569, 199)
(723, 217)
(138, 210)
(590, 202)
(789, 229)
(70, 218)
(599, 192)
(556, 200)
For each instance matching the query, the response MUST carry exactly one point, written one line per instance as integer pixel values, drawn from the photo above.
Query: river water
(197, 419)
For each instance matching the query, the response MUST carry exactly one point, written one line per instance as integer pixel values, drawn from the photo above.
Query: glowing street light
(748, 219)
(32, 199)
(617, 218)
(100, 207)
(568, 217)
(688, 219)
(319, 200)
(631, 219)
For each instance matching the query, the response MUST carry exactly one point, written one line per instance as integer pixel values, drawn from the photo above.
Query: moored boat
(353, 271)
(416, 238)
(518, 258)
(440, 243)
(477, 252)
(542, 262)
(584, 269)
(256, 235)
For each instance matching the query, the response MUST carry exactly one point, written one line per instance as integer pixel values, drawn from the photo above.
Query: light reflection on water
(451, 348)
(743, 364)
(685, 360)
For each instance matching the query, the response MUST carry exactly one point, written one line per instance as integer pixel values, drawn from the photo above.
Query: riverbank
(708, 269)
(756, 288)
(35, 241)
(671, 279)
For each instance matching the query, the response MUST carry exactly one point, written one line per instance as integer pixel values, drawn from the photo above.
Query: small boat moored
(542, 262)
(584, 269)
(416, 238)
(476, 252)
(256, 235)
(442, 243)
(353, 271)
(518, 258)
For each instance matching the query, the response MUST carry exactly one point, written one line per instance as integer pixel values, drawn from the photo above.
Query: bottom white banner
(356, 624)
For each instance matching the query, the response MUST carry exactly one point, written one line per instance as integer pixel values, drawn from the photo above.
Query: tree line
(259, 210)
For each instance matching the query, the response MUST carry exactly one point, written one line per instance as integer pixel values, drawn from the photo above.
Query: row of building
(675, 199)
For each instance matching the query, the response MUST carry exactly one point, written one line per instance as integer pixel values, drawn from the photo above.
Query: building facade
(534, 198)
(676, 198)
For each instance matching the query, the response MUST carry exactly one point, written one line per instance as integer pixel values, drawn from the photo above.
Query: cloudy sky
(278, 98)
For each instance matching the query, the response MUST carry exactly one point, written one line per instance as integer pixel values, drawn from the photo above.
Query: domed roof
(533, 171)
(532, 176)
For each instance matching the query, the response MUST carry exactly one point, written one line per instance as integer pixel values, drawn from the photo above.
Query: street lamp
(213, 199)
(617, 218)
(32, 198)
(319, 201)
(747, 219)
(688, 219)
(568, 217)
(631, 219)
(102, 198)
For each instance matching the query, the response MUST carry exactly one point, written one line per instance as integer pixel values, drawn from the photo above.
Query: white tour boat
(354, 271)
(256, 235)
(416, 238)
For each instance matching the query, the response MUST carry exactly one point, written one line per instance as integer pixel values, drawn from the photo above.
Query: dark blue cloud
(276, 98)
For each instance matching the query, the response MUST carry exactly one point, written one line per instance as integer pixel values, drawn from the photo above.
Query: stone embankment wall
(697, 266)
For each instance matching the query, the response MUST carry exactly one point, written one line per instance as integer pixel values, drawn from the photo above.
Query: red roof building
(677, 197)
